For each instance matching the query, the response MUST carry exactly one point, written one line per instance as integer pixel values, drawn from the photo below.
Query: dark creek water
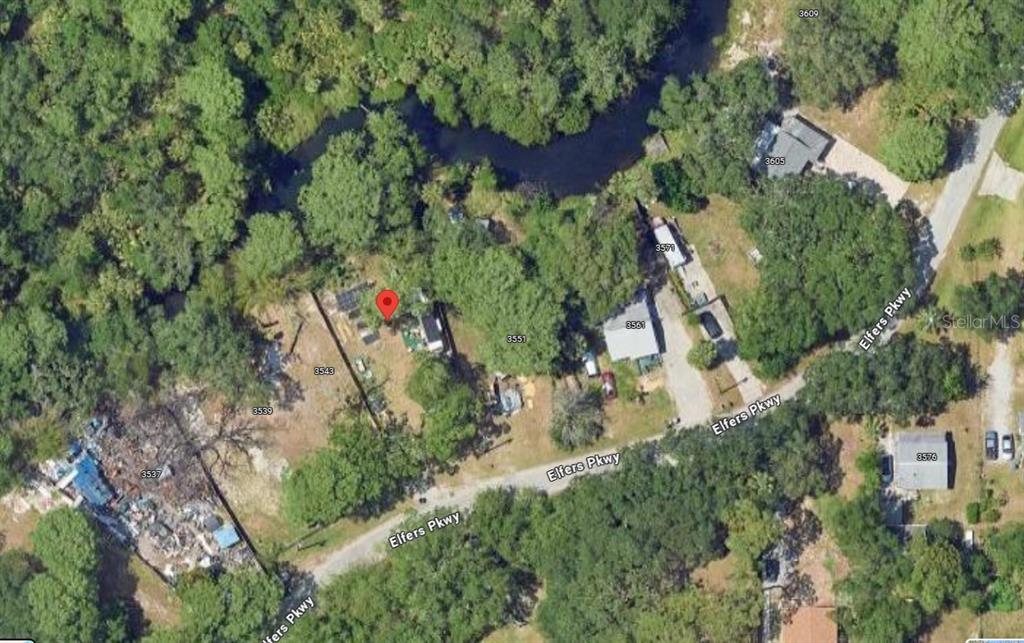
(567, 165)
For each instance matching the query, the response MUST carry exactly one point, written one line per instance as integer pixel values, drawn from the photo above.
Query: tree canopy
(837, 54)
(833, 258)
(903, 378)
(613, 561)
(528, 71)
(363, 186)
(451, 408)
(718, 117)
(362, 472)
(916, 148)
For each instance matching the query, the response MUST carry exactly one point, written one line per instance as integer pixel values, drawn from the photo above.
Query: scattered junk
(366, 334)
(350, 301)
(456, 214)
(508, 398)
(273, 363)
(426, 332)
(608, 386)
(145, 486)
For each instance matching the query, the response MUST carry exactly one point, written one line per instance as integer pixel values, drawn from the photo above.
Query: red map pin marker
(387, 302)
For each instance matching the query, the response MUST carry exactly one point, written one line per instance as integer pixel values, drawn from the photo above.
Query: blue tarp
(89, 482)
(226, 536)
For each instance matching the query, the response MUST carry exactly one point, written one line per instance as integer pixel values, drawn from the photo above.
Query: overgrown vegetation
(529, 70)
(362, 472)
(578, 419)
(718, 117)
(904, 378)
(703, 355)
(833, 258)
(993, 307)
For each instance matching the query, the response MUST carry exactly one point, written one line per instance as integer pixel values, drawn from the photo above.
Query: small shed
(509, 398)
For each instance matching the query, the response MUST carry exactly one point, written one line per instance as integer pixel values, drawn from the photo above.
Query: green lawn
(722, 245)
(1011, 142)
(986, 217)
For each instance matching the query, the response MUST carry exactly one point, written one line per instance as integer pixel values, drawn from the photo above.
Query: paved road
(950, 206)
(684, 383)
(372, 545)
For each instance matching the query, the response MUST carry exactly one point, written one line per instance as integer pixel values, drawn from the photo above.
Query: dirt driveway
(684, 383)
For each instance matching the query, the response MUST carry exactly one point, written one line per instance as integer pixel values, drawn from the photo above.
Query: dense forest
(139, 136)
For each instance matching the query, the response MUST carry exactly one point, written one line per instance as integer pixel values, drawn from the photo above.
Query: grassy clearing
(863, 124)
(317, 546)
(852, 442)
(1001, 624)
(123, 577)
(986, 217)
(516, 634)
(722, 244)
(160, 605)
(16, 528)
(1011, 141)
(715, 575)
(955, 627)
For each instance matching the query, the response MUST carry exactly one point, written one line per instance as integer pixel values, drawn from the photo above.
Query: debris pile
(142, 480)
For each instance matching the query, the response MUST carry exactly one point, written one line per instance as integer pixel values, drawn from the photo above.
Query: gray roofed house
(637, 341)
(796, 141)
(921, 460)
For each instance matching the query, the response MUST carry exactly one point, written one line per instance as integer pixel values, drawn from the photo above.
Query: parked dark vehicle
(710, 324)
(886, 468)
(991, 445)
